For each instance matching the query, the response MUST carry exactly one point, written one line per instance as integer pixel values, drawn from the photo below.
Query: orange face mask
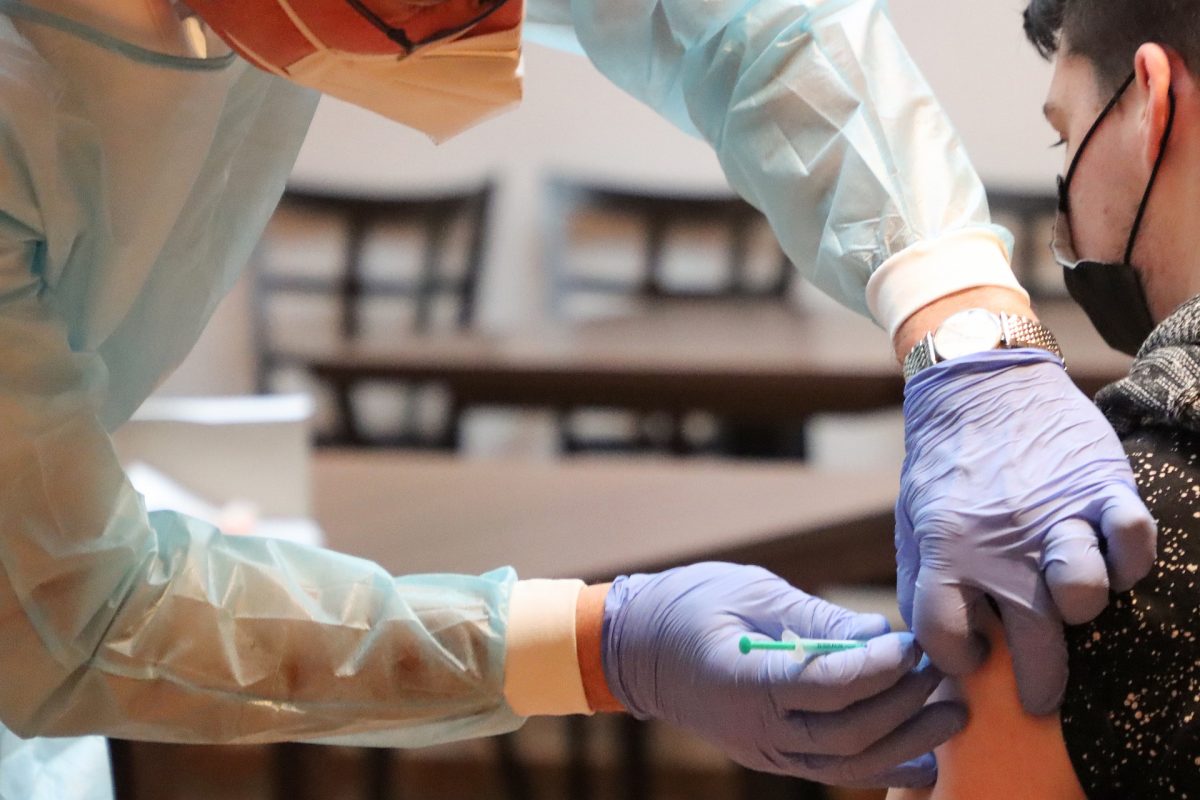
(439, 66)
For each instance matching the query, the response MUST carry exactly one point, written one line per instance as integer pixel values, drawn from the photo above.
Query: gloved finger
(902, 758)
(908, 563)
(913, 774)
(1039, 655)
(1132, 538)
(819, 619)
(1075, 571)
(944, 622)
(834, 681)
(857, 727)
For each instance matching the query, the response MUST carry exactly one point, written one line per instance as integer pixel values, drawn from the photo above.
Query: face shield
(439, 66)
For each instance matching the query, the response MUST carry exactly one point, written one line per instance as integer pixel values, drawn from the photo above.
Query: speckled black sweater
(1131, 717)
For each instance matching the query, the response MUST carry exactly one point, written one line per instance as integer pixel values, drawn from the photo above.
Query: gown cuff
(928, 271)
(541, 674)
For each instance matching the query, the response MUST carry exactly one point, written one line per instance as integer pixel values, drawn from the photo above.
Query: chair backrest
(654, 245)
(621, 250)
(334, 268)
(1030, 217)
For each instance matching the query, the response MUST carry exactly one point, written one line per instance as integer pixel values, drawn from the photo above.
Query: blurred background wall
(573, 121)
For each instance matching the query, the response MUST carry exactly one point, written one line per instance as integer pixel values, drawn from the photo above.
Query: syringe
(800, 647)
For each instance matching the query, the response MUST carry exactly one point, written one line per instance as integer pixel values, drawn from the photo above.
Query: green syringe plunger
(799, 646)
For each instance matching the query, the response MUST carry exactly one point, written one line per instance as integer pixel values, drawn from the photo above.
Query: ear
(1153, 68)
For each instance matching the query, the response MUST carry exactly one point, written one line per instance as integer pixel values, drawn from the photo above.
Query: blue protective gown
(133, 186)
(132, 189)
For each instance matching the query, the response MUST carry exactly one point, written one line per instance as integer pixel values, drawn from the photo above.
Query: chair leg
(678, 444)
(579, 786)
(567, 443)
(288, 766)
(120, 754)
(807, 790)
(451, 438)
(347, 432)
(634, 746)
(762, 786)
(380, 785)
(512, 771)
(750, 440)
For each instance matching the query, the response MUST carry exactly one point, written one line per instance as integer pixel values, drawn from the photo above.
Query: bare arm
(1003, 752)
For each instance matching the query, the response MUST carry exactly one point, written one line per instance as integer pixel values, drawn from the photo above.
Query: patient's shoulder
(1131, 717)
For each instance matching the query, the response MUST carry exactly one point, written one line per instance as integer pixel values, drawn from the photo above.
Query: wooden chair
(120, 756)
(614, 250)
(360, 268)
(1030, 217)
(647, 228)
(334, 268)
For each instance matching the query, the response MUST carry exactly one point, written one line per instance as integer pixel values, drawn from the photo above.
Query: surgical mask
(1110, 292)
(437, 78)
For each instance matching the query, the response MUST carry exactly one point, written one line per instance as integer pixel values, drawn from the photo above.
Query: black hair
(1109, 32)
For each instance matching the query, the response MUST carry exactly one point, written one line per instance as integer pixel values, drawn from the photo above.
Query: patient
(1129, 727)
(1130, 723)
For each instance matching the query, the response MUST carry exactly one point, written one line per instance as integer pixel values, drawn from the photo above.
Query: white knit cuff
(541, 672)
(928, 271)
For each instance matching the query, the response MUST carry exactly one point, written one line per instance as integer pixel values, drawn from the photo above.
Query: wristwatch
(976, 330)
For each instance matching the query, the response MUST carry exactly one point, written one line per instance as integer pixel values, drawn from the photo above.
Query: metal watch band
(920, 357)
(1015, 331)
(1022, 332)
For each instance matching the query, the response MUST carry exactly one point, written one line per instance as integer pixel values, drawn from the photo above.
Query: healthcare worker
(140, 159)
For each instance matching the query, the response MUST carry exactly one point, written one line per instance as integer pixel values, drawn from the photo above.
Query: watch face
(970, 331)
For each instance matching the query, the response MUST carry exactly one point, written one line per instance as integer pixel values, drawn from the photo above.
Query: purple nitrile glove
(1014, 488)
(858, 717)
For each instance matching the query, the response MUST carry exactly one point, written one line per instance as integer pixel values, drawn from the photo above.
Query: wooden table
(754, 362)
(596, 517)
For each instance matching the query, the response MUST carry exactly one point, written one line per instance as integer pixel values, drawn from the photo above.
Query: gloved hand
(670, 651)
(1014, 487)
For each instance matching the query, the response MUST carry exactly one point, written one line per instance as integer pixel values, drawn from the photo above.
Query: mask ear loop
(1087, 137)
(400, 38)
(1162, 152)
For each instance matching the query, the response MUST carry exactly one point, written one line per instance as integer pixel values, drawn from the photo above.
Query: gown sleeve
(157, 626)
(820, 119)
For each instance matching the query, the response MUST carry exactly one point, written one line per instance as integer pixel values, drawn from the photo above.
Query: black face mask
(1110, 292)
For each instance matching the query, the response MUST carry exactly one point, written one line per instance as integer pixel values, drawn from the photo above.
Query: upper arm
(1003, 752)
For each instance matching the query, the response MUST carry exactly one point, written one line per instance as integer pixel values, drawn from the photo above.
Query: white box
(227, 449)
